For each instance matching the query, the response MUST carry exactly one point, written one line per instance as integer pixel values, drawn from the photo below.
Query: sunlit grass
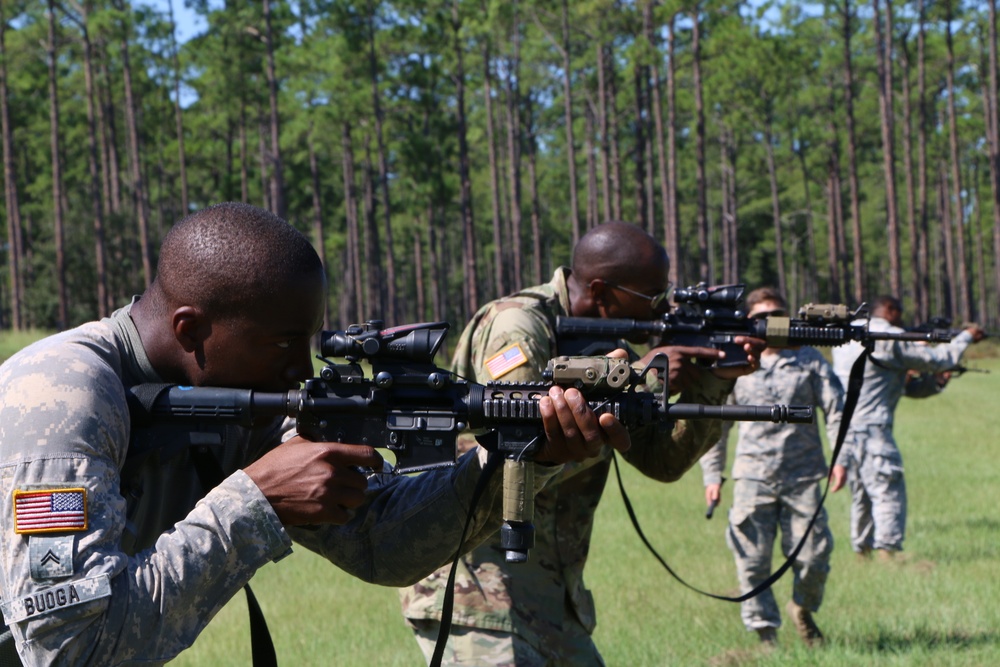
(12, 341)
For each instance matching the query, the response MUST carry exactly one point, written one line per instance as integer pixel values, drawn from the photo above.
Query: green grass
(939, 608)
(12, 341)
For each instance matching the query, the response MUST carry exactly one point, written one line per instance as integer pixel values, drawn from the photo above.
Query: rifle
(714, 317)
(417, 410)
(941, 325)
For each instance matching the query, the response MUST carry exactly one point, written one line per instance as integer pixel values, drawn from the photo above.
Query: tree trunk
(574, 206)
(833, 249)
(536, 207)
(809, 281)
(179, 114)
(963, 303)
(699, 150)
(616, 161)
(772, 172)
(100, 250)
(57, 195)
(602, 97)
(911, 213)
(669, 225)
(514, 154)
(588, 144)
(640, 147)
(418, 278)
(135, 151)
(390, 309)
(944, 202)
(471, 299)
(852, 161)
(994, 130)
(650, 194)
(674, 232)
(499, 285)
(923, 259)
(732, 205)
(437, 275)
(317, 210)
(353, 285)
(11, 199)
(978, 244)
(376, 295)
(277, 179)
(726, 217)
(883, 50)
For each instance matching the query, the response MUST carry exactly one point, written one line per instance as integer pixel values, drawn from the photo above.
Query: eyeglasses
(657, 302)
(769, 313)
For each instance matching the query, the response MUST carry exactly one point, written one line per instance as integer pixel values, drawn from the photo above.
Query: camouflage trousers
(477, 647)
(759, 509)
(878, 491)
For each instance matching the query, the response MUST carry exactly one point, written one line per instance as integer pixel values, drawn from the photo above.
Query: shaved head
(618, 251)
(228, 257)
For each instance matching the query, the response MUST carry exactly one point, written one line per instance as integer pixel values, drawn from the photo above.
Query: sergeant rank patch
(50, 510)
(505, 361)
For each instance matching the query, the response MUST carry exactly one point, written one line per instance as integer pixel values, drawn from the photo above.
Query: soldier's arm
(73, 596)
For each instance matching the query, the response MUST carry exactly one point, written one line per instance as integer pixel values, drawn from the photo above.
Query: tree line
(441, 153)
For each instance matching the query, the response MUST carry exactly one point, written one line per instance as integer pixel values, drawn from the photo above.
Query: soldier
(777, 477)
(100, 566)
(540, 612)
(874, 464)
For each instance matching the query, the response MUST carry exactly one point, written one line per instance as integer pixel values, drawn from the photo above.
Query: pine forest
(441, 153)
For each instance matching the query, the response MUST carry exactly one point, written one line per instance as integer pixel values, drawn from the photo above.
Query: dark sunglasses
(769, 313)
(657, 302)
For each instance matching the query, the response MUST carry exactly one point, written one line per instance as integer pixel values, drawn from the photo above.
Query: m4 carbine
(715, 316)
(416, 410)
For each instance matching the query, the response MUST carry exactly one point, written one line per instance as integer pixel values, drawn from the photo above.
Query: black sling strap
(850, 402)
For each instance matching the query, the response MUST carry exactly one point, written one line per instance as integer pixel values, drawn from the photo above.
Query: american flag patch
(50, 510)
(506, 361)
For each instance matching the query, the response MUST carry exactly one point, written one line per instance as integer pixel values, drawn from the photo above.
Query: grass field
(938, 608)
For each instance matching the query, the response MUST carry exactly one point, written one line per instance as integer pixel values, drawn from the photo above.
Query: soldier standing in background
(874, 463)
(778, 472)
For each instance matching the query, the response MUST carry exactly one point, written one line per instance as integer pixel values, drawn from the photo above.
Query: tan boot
(804, 624)
(864, 555)
(885, 555)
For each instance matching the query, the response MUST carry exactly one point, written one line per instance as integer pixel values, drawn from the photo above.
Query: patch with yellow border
(50, 510)
(505, 361)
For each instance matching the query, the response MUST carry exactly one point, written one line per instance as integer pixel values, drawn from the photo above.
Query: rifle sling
(492, 463)
(850, 401)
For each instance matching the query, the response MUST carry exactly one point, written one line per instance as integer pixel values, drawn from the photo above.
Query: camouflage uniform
(777, 477)
(875, 465)
(154, 557)
(543, 602)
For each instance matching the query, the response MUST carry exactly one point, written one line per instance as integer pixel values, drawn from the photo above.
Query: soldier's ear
(190, 327)
(597, 288)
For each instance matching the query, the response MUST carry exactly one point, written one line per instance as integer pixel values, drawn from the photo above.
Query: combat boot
(768, 637)
(804, 624)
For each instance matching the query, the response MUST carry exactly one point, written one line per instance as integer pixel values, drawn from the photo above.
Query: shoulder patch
(50, 510)
(505, 361)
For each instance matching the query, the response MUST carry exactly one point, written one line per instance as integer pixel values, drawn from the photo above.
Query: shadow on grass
(922, 640)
